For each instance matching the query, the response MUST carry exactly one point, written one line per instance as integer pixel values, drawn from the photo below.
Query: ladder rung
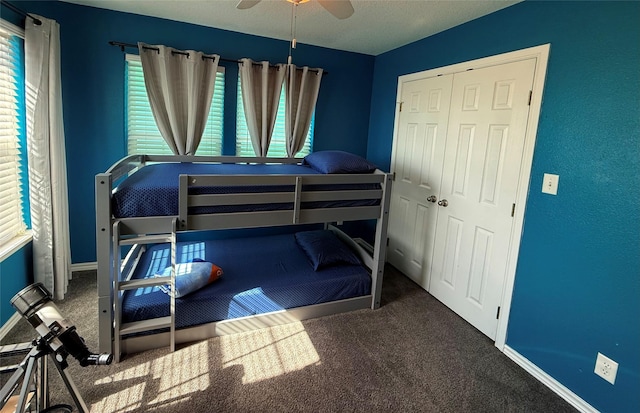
(145, 325)
(145, 282)
(147, 239)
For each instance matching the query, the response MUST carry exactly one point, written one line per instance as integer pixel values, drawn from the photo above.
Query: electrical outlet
(550, 184)
(606, 368)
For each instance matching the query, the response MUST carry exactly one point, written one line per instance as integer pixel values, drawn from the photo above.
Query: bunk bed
(149, 207)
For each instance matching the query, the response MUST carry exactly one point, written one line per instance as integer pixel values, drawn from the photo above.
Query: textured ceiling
(375, 27)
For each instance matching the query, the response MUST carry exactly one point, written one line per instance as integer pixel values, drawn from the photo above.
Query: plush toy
(191, 276)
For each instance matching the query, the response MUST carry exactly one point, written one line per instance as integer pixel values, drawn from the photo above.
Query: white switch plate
(550, 184)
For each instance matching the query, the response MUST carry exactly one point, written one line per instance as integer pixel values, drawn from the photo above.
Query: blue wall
(93, 92)
(16, 272)
(577, 288)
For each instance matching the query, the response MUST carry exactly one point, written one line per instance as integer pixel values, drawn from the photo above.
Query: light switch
(550, 184)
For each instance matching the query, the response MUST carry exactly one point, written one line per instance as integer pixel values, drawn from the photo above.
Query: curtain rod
(122, 46)
(21, 12)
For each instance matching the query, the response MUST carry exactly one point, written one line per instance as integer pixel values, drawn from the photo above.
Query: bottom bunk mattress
(260, 275)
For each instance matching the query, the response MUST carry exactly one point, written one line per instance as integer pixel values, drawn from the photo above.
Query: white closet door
(483, 155)
(417, 163)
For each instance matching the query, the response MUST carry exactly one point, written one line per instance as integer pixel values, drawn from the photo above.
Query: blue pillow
(192, 276)
(338, 162)
(324, 249)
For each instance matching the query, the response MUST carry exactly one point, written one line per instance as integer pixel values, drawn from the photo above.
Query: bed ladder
(121, 329)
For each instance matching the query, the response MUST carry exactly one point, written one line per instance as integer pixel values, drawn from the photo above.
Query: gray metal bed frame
(114, 272)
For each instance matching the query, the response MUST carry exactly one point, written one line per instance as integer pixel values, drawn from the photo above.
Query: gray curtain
(46, 157)
(301, 88)
(180, 87)
(261, 85)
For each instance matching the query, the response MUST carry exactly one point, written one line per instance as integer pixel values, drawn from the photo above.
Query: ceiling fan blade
(246, 4)
(341, 9)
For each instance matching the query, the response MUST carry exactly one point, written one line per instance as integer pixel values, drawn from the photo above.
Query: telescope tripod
(32, 372)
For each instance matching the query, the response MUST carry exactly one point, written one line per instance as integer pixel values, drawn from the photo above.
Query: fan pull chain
(292, 44)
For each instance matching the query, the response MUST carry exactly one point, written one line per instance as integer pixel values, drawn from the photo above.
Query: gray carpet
(411, 355)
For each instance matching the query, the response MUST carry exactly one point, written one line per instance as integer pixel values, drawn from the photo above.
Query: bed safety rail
(301, 192)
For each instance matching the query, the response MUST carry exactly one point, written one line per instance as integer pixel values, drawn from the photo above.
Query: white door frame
(541, 54)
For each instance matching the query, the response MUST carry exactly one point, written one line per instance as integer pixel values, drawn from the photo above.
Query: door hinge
(513, 210)
(530, 95)
(498, 313)
(387, 242)
(401, 106)
(393, 176)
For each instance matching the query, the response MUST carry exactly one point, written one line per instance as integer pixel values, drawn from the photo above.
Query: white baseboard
(549, 381)
(84, 266)
(11, 322)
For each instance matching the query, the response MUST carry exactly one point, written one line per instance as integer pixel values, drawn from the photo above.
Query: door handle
(443, 203)
(432, 198)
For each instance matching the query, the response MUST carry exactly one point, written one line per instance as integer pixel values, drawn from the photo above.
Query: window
(277, 147)
(143, 136)
(12, 133)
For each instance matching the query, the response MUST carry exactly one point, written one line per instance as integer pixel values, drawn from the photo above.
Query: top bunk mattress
(154, 189)
(261, 275)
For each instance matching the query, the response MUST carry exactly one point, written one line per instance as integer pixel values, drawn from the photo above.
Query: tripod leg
(42, 394)
(26, 384)
(11, 385)
(82, 407)
(23, 375)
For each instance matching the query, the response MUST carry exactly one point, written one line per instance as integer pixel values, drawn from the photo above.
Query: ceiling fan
(341, 9)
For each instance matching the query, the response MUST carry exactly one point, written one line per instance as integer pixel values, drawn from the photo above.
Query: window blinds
(143, 136)
(277, 147)
(12, 135)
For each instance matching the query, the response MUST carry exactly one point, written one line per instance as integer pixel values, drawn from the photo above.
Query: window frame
(24, 234)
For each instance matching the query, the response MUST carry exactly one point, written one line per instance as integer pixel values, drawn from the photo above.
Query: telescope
(58, 339)
(34, 303)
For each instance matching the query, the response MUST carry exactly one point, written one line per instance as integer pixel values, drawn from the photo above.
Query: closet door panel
(417, 163)
(481, 169)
